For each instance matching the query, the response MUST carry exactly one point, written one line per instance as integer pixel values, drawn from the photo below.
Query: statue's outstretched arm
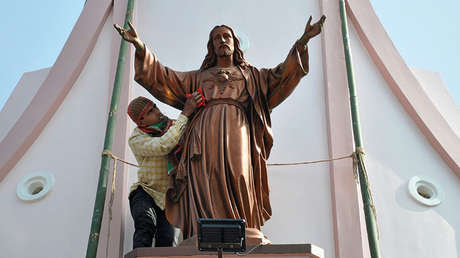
(295, 66)
(131, 36)
(311, 31)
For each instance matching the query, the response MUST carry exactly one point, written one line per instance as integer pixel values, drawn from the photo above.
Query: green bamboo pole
(93, 241)
(369, 209)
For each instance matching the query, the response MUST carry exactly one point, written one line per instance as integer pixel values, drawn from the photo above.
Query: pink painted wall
(436, 90)
(69, 148)
(397, 150)
(20, 98)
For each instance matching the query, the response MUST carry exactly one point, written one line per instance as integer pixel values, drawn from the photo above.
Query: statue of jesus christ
(222, 172)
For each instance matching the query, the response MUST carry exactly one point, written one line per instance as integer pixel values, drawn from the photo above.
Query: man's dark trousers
(149, 221)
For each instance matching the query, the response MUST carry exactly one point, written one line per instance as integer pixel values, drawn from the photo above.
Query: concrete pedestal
(269, 251)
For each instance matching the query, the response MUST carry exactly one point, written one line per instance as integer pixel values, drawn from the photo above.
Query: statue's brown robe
(222, 172)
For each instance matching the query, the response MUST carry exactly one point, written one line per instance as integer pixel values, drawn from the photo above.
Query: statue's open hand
(129, 35)
(312, 30)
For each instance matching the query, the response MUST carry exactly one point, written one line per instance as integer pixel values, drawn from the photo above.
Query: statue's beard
(225, 51)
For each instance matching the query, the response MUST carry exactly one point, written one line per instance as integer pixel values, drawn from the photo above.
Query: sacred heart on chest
(222, 75)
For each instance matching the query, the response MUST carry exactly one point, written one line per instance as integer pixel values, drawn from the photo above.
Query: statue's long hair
(211, 57)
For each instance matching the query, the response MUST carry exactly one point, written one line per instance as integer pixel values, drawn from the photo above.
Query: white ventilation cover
(35, 186)
(425, 191)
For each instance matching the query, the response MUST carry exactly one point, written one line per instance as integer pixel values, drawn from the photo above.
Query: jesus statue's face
(223, 42)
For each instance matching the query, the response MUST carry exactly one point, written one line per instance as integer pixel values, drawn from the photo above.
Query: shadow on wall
(439, 223)
(405, 201)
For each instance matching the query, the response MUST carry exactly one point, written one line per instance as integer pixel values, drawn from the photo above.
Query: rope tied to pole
(99, 203)
(112, 194)
(112, 156)
(368, 203)
(112, 190)
(356, 156)
(360, 150)
(310, 162)
(359, 157)
(353, 155)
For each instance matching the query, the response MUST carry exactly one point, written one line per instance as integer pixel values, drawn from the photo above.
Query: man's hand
(191, 104)
(312, 30)
(130, 35)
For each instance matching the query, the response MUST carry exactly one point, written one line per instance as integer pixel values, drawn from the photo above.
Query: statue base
(267, 251)
(256, 245)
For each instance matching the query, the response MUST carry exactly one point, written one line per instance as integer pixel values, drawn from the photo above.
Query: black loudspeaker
(228, 235)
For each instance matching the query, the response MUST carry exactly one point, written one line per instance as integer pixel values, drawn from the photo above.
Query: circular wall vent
(35, 186)
(425, 191)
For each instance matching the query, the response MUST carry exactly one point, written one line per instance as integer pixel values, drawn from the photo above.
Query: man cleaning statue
(222, 171)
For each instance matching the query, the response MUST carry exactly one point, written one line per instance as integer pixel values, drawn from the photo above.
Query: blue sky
(34, 33)
(426, 33)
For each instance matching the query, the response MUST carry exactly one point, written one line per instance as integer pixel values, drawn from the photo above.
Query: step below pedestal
(287, 250)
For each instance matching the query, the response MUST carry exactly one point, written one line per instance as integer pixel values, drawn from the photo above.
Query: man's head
(223, 42)
(144, 112)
